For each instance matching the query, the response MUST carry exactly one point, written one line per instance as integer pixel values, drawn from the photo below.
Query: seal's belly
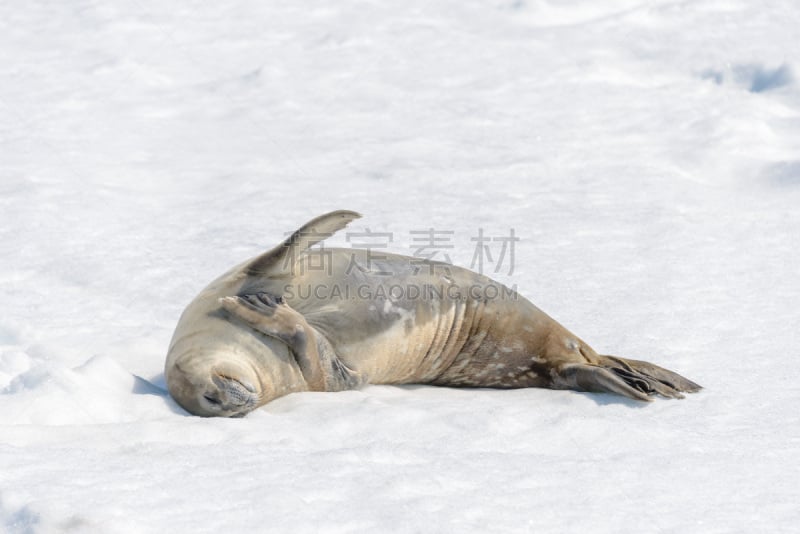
(407, 328)
(417, 345)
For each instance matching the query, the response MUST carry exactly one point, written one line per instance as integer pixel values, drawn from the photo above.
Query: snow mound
(98, 392)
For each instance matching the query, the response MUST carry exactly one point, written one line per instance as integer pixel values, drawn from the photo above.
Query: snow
(647, 154)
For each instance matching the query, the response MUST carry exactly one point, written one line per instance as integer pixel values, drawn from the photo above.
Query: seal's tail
(632, 378)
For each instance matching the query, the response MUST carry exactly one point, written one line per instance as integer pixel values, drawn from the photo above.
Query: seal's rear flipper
(635, 379)
(281, 259)
(652, 372)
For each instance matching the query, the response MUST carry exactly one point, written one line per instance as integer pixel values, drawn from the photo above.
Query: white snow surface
(646, 153)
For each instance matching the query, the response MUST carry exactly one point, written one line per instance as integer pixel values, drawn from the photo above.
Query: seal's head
(220, 365)
(213, 386)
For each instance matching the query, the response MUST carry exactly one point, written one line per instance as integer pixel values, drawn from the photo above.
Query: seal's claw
(267, 299)
(262, 302)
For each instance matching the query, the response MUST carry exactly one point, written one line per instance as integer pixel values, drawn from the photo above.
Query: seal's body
(290, 320)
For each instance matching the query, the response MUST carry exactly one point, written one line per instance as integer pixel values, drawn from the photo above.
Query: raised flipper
(281, 259)
(632, 378)
(270, 315)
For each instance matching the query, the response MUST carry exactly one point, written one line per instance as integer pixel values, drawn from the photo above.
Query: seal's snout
(226, 390)
(232, 393)
(230, 396)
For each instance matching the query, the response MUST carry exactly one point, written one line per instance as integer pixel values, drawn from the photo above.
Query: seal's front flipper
(281, 259)
(270, 315)
(632, 378)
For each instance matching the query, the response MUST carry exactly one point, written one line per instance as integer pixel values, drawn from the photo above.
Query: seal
(298, 318)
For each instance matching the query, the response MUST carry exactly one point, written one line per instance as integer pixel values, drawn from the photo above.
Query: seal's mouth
(233, 395)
